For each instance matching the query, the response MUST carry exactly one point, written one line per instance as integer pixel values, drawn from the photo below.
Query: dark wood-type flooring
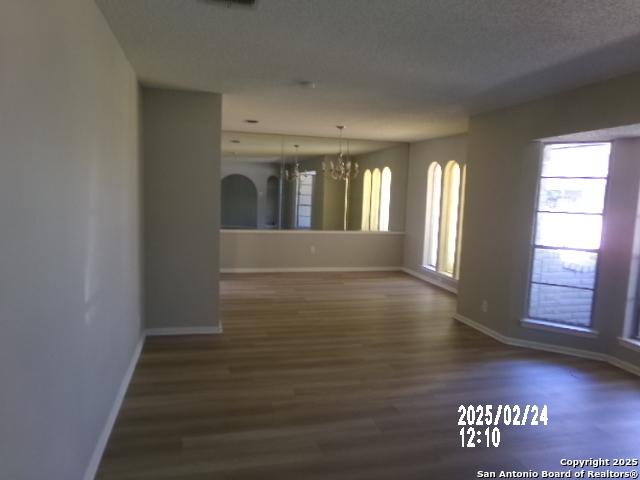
(354, 376)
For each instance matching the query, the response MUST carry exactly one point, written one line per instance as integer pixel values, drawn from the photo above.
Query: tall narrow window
(463, 183)
(366, 199)
(376, 199)
(304, 200)
(374, 214)
(568, 232)
(432, 220)
(449, 224)
(385, 199)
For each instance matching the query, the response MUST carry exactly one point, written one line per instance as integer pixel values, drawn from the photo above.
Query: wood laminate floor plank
(353, 376)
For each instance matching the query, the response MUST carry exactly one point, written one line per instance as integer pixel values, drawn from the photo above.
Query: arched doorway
(239, 202)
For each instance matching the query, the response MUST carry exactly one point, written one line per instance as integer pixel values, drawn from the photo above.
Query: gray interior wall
(259, 172)
(397, 159)
(181, 140)
(69, 254)
(616, 306)
(308, 249)
(421, 155)
(500, 199)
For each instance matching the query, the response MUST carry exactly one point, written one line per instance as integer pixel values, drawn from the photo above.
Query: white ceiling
(387, 69)
(272, 145)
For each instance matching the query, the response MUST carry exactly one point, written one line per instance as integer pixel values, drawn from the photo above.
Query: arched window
(432, 220)
(374, 217)
(463, 182)
(450, 210)
(376, 199)
(385, 199)
(366, 199)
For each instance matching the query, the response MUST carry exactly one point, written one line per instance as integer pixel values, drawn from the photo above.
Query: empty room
(319, 239)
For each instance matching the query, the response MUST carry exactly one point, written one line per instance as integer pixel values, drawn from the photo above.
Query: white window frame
(298, 204)
(373, 217)
(552, 324)
(439, 235)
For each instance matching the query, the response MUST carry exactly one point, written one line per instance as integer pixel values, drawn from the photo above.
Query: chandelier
(343, 168)
(292, 173)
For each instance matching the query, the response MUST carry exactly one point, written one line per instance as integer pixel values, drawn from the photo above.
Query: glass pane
(432, 221)
(304, 210)
(304, 200)
(561, 304)
(305, 189)
(569, 230)
(564, 267)
(304, 222)
(576, 160)
(572, 195)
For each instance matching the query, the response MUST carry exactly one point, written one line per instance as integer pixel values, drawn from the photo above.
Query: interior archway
(239, 202)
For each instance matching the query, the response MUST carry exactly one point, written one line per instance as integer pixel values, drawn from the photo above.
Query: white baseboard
(101, 444)
(481, 328)
(432, 280)
(98, 451)
(310, 269)
(629, 367)
(158, 332)
(575, 352)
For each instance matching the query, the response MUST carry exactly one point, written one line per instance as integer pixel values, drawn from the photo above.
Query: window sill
(631, 343)
(559, 328)
(443, 275)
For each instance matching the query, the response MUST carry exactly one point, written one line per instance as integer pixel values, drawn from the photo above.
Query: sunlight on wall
(463, 182)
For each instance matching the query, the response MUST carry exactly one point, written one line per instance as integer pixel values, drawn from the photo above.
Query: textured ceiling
(388, 69)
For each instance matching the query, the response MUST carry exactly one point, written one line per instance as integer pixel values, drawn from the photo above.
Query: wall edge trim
(575, 352)
(103, 439)
(169, 331)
